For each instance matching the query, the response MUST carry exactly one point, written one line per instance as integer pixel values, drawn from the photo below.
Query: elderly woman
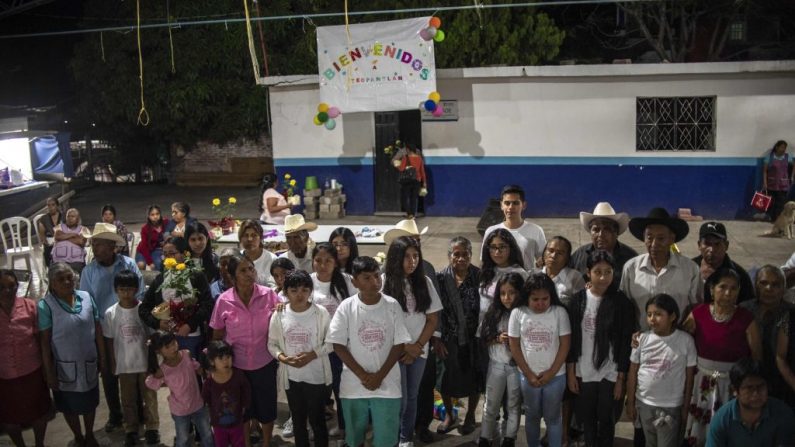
(296, 231)
(240, 318)
(70, 242)
(724, 333)
(250, 235)
(109, 216)
(180, 216)
(224, 282)
(272, 204)
(459, 324)
(188, 332)
(47, 224)
(568, 281)
(72, 350)
(21, 375)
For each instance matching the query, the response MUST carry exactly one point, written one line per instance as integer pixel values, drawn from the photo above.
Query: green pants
(385, 415)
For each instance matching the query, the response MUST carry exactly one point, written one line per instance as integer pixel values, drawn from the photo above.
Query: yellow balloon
(322, 107)
(316, 121)
(435, 97)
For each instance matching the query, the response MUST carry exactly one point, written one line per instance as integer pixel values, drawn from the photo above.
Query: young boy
(368, 333)
(529, 236)
(128, 334)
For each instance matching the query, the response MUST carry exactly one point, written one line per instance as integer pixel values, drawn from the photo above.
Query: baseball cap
(716, 229)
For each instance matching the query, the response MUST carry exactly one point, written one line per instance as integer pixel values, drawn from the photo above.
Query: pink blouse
(246, 327)
(185, 397)
(19, 350)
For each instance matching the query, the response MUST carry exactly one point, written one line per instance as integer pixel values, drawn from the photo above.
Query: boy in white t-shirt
(529, 237)
(368, 332)
(127, 336)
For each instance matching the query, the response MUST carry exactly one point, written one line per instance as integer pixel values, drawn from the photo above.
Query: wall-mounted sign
(450, 107)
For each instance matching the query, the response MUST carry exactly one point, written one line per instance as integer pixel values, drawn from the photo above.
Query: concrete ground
(746, 248)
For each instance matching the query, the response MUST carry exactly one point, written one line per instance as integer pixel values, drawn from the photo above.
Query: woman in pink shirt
(241, 317)
(21, 375)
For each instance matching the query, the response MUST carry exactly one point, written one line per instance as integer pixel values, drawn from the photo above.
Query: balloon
(333, 112)
(322, 117)
(435, 97)
(330, 124)
(439, 36)
(422, 105)
(435, 22)
(424, 35)
(430, 105)
(438, 111)
(322, 107)
(316, 121)
(431, 31)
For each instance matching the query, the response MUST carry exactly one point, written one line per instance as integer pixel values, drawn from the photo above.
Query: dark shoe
(466, 428)
(152, 437)
(425, 435)
(508, 442)
(443, 429)
(112, 425)
(130, 439)
(483, 442)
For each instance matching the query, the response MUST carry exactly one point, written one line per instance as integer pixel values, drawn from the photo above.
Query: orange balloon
(435, 22)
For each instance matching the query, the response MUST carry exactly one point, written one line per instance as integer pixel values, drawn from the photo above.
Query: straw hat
(406, 227)
(659, 216)
(604, 210)
(107, 231)
(295, 222)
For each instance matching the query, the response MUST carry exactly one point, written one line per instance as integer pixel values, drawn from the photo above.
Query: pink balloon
(438, 111)
(333, 112)
(425, 35)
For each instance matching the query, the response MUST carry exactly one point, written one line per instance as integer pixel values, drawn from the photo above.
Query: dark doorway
(405, 125)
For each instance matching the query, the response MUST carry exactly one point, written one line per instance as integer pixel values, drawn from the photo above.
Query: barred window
(679, 123)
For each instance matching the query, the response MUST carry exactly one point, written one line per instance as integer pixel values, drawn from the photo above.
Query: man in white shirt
(660, 270)
(529, 237)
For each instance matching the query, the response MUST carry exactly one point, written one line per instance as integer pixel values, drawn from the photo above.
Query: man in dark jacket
(713, 243)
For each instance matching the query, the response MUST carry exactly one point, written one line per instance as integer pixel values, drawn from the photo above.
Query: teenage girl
(200, 248)
(149, 253)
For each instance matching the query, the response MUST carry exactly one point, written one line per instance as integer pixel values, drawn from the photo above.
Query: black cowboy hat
(658, 216)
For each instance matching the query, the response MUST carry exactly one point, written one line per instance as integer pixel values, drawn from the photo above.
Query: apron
(73, 344)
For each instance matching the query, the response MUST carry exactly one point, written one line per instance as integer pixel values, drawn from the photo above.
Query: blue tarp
(52, 155)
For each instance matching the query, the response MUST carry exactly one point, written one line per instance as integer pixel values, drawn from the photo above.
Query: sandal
(445, 429)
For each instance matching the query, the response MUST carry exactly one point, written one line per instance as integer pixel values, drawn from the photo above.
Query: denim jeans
(410, 378)
(502, 379)
(547, 402)
(201, 420)
(336, 377)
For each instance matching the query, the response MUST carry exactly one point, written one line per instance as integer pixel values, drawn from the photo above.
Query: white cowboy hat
(604, 210)
(107, 231)
(295, 222)
(406, 227)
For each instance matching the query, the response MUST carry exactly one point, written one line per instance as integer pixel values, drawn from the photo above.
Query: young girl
(330, 287)
(149, 253)
(296, 338)
(405, 281)
(280, 268)
(227, 394)
(602, 323)
(200, 248)
(661, 374)
(502, 377)
(540, 336)
(344, 241)
(178, 373)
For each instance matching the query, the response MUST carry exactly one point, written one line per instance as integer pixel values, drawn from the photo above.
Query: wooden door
(389, 127)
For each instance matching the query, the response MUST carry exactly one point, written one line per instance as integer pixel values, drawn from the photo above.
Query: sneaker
(483, 442)
(425, 435)
(152, 437)
(112, 425)
(406, 444)
(287, 428)
(130, 439)
(508, 442)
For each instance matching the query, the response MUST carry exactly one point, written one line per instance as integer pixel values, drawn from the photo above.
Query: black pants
(777, 204)
(307, 401)
(409, 192)
(425, 394)
(598, 411)
(110, 385)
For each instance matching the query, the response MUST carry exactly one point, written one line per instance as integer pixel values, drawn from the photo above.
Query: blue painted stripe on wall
(565, 161)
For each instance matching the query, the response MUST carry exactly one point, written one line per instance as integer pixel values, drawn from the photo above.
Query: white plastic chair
(18, 229)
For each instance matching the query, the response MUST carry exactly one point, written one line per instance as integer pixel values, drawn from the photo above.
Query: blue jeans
(410, 378)
(200, 420)
(157, 259)
(336, 377)
(547, 402)
(501, 380)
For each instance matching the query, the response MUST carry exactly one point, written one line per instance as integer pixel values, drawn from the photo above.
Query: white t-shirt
(487, 293)
(300, 335)
(498, 352)
(415, 321)
(263, 267)
(529, 237)
(129, 335)
(321, 293)
(369, 332)
(585, 369)
(539, 335)
(663, 362)
(276, 218)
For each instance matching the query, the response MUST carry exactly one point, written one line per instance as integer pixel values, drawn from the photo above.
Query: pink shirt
(246, 327)
(19, 351)
(185, 397)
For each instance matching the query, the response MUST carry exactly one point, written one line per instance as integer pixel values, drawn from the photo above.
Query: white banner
(386, 66)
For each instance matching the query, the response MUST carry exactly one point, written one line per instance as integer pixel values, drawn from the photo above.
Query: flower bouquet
(226, 222)
(288, 189)
(182, 306)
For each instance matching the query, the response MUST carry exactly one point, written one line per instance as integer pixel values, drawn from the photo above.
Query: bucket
(310, 182)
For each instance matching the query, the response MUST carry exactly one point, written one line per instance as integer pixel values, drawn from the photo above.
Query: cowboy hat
(659, 216)
(406, 227)
(295, 222)
(603, 210)
(107, 231)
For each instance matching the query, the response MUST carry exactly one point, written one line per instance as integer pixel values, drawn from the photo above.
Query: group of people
(691, 349)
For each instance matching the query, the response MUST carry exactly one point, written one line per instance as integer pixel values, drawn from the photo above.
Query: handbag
(761, 201)
(408, 175)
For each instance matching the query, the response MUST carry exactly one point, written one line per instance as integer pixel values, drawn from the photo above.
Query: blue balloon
(330, 124)
(430, 105)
